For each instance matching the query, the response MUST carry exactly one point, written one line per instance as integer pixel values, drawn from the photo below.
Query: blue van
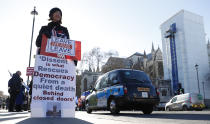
(122, 89)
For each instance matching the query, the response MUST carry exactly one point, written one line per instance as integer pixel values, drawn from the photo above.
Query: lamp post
(196, 68)
(203, 92)
(34, 12)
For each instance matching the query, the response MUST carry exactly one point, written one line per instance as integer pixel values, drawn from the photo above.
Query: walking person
(53, 28)
(7, 103)
(20, 99)
(14, 85)
(30, 94)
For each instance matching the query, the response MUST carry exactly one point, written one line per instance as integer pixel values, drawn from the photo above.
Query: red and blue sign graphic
(61, 48)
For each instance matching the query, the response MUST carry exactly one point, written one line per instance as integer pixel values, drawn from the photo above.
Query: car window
(97, 86)
(112, 76)
(174, 100)
(135, 76)
(103, 82)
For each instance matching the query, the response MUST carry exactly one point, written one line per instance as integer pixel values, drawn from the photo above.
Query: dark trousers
(18, 108)
(12, 100)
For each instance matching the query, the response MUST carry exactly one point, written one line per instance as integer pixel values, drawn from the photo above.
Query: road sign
(30, 71)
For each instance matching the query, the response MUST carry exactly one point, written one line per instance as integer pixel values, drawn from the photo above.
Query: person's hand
(75, 62)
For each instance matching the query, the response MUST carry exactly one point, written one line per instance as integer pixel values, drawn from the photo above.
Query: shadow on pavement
(12, 113)
(182, 116)
(12, 118)
(53, 121)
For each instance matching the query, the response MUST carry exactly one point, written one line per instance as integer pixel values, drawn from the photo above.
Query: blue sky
(127, 26)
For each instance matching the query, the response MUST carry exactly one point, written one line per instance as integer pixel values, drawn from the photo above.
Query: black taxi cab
(122, 89)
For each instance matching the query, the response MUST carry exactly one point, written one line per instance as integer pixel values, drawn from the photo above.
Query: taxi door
(101, 93)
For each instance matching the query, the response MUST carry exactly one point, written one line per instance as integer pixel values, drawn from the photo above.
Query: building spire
(145, 55)
(90, 70)
(153, 47)
(97, 70)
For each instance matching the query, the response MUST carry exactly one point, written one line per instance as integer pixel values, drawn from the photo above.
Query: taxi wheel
(113, 107)
(87, 108)
(89, 111)
(148, 109)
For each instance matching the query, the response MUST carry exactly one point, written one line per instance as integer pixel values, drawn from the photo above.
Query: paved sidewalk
(25, 118)
(104, 117)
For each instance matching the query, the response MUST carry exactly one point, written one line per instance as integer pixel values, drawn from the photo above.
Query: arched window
(164, 91)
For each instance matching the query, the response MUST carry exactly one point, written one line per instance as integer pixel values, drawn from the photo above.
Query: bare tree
(98, 56)
(95, 58)
(87, 61)
(113, 64)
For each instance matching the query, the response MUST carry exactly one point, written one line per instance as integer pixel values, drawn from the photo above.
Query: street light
(196, 68)
(203, 91)
(34, 12)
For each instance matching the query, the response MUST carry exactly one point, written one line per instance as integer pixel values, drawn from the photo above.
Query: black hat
(53, 10)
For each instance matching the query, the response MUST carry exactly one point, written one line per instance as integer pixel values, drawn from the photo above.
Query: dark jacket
(47, 30)
(20, 96)
(15, 83)
(30, 87)
(60, 31)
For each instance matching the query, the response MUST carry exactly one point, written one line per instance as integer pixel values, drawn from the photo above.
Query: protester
(53, 28)
(14, 85)
(20, 99)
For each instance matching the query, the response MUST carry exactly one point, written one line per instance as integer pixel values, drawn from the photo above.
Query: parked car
(123, 89)
(187, 101)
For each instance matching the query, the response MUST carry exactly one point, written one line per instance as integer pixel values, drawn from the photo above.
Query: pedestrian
(7, 103)
(20, 99)
(53, 28)
(80, 104)
(1, 103)
(14, 85)
(30, 92)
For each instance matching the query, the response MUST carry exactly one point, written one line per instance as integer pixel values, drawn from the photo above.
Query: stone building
(151, 63)
(116, 63)
(88, 79)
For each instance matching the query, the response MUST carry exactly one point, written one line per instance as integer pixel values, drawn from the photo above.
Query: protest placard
(54, 87)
